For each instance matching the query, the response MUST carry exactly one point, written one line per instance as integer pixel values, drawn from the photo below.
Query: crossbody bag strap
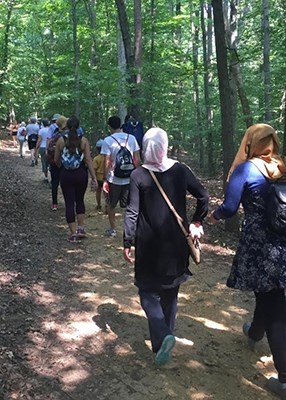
(172, 208)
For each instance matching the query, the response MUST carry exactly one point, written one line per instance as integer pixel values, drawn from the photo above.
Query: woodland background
(203, 71)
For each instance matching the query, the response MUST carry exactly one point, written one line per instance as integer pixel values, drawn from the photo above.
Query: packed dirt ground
(71, 324)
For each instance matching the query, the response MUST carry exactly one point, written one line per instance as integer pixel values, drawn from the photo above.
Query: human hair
(45, 122)
(73, 140)
(114, 122)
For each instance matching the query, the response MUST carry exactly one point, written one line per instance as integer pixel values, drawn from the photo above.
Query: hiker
(72, 156)
(59, 131)
(134, 127)
(116, 184)
(53, 127)
(42, 145)
(161, 248)
(13, 129)
(98, 165)
(21, 136)
(32, 136)
(259, 264)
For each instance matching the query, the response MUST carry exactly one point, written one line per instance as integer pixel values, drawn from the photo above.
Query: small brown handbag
(194, 245)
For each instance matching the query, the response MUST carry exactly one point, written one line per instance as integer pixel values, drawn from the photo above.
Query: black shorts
(32, 141)
(117, 193)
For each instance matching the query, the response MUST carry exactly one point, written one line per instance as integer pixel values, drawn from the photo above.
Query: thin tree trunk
(266, 61)
(5, 46)
(196, 94)
(138, 39)
(122, 110)
(76, 59)
(207, 53)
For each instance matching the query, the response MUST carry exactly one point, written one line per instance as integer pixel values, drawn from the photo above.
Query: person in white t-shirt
(41, 146)
(116, 188)
(21, 136)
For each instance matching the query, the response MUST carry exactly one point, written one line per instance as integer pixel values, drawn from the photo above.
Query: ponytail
(73, 140)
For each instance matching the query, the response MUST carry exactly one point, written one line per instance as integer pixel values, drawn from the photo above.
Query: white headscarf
(155, 149)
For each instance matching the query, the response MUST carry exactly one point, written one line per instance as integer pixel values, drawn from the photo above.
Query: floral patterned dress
(260, 260)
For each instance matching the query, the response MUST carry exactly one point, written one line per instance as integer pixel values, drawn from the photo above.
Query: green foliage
(40, 76)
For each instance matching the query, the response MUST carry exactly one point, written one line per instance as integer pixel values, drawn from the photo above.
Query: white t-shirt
(45, 134)
(110, 148)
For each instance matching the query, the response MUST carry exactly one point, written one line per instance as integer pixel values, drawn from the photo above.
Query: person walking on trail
(42, 145)
(32, 136)
(72, 155)
(13, 129)
(53, 127)
(115, 184)
(98, 165)
(61, 123)
(21, 136)
(259, 264)
(161, 249)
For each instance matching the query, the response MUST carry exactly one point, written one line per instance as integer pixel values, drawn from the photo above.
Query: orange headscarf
(260, 144)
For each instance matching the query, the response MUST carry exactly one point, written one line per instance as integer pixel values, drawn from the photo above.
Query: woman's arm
(88, 161)
(233, 194)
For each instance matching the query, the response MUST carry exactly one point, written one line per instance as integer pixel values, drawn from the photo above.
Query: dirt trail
(71, 323)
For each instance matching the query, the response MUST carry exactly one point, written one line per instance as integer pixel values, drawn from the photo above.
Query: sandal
(73, 238)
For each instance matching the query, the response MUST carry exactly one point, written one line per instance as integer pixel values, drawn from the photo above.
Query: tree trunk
(207, 53)
(122, 110)
(196, 93)
(133, 108)
(5, 46)
(76, 59)
(138, 40)
(225, 98)
(90, 8)
(266, 61)
(149, 111)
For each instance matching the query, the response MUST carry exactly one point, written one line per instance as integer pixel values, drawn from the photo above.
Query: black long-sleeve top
(161, 249)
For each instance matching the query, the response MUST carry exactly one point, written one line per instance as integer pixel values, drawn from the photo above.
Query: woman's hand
(93, 185)
(213, 220)
(105, 187)
(127, 255)
(196, 230)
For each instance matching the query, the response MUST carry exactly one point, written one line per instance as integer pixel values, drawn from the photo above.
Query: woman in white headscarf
(259, 264)
(161, 249)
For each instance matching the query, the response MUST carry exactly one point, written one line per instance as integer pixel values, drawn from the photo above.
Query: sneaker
(164, 353)
(32, 163)
(81, 233)
(36, 162)
(73, 238)
(245, 329)
(110, 232)
(54, 207)
(277, 387)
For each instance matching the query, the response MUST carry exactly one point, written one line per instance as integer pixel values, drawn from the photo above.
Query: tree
(227, 117)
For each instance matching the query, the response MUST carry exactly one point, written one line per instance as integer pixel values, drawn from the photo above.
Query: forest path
(71, 324)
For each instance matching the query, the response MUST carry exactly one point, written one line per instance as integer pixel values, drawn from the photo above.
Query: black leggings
(270, 317)
(55, 181)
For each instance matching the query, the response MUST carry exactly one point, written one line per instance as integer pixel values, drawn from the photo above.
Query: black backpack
(124, 164)
(276, 208)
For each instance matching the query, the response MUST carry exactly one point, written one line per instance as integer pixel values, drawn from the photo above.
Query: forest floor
(71, 324)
